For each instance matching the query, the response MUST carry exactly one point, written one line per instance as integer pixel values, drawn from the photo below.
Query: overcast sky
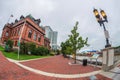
(61, 15)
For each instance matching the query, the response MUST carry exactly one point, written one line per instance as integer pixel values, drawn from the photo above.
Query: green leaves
(75, 41)
(66, 47)
(9, 45)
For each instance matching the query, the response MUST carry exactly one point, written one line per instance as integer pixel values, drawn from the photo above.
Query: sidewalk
(59, 65)
(114, 74)
(11, 71)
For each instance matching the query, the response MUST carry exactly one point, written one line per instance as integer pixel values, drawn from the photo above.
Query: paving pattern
(59, 64)
(10, 71)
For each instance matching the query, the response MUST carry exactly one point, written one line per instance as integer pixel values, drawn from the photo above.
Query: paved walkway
(59, 65)
(11, 71)
(113, 74)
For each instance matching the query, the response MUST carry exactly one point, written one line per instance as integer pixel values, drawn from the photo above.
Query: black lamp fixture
(101, 19)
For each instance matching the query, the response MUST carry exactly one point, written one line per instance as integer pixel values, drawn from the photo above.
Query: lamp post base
(108, 45)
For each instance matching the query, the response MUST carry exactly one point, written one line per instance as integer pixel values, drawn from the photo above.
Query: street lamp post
(101, 21)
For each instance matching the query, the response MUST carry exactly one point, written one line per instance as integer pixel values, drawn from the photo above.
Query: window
(13, 33)
(19, 31)
(35, 36)
(30, 34)
(6, 33)
(39, 38)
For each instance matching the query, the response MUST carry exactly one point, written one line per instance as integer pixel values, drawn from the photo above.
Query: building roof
(22, 19)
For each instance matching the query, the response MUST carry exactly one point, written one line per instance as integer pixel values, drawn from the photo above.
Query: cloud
(61, 15)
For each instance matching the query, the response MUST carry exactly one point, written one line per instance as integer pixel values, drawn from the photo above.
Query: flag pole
(20, 40)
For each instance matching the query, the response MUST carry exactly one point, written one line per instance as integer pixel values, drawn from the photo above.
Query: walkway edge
(57, 75)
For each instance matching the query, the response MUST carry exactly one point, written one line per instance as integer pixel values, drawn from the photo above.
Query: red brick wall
(30, 25)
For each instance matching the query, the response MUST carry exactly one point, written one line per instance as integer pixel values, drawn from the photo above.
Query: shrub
(23, 48)
(7, 48)
(47, 51)
(9, 45)
(38, 51)
(58, 52)
(41, 51)
(52, 53)
(27, 47)
(31, 47)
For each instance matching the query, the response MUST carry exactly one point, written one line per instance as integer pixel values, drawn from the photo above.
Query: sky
(61, 16)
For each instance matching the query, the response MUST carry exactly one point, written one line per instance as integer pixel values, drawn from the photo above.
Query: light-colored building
(52, 35)
(48, 30)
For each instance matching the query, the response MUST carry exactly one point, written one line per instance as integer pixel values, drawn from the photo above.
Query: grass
(14, 55)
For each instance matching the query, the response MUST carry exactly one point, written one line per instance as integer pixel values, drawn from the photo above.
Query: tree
(76, 41)
(66, 48)
(31, 47)
(9, 45)
(23, 48)
(26, 47)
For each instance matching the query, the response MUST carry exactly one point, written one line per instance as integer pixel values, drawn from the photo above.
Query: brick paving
(119, 66)
(59, 64)
(10, 71)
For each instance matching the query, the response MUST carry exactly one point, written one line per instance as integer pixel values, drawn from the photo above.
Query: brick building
(32, 32)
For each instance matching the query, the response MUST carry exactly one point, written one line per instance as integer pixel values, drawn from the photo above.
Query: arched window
(11, 33)
(19, 31)
(38, 38)
(30, 34)
(35, 36)
(4, 41)
(15, 32)
(6, 34)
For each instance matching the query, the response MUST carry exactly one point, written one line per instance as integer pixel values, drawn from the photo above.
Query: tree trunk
(74, 57)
